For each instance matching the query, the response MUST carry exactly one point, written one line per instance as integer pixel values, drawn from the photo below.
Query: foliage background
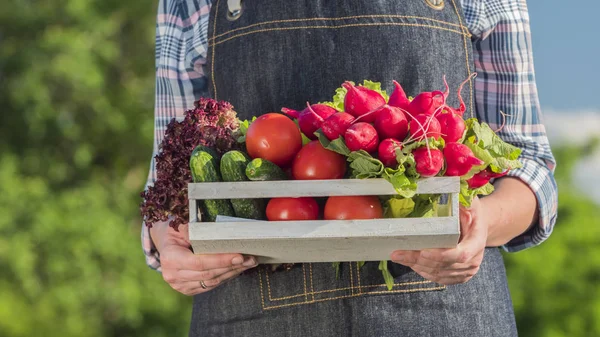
(76, 100)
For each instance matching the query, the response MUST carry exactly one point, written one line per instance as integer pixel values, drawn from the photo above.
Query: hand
(456, 265)
(183, 270)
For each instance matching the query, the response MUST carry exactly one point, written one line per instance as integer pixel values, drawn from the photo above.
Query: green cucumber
(204, 166)
(233, 168)
(263, 170)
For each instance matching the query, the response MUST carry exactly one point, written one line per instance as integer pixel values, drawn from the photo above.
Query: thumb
(466, 217)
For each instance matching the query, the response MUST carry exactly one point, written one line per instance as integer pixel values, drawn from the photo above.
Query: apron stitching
(304, 280)
(213, 44)
(274, 299)
(373, 16)
(351, 278)
(312, 289)
(467, 59)
(358, 278)
(268, 285)
(356, 295)
(213, 51)
(262, 297)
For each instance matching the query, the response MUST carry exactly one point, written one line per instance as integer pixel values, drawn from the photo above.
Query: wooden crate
(323, 240)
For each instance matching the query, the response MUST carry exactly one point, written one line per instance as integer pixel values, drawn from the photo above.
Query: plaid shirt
(505, 81)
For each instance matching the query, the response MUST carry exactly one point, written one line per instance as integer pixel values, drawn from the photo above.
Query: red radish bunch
(429, 162)
(452, 126)
(387, 152)
(336, 125)
(484, 177)
(391, 122)
(424, 125)
(398, 98)
(362, 136)
(360, 100)
(459, 159)
(311, 118)
(426, 103)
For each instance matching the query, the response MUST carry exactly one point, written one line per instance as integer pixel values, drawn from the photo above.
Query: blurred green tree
(76, 100)
(76, 121)
(556, 287)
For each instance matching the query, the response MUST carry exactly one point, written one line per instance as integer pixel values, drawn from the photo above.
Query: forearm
(510, 210)
(157, 233)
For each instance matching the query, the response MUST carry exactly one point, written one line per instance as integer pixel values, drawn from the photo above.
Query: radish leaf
(336, 145)
(387, 276)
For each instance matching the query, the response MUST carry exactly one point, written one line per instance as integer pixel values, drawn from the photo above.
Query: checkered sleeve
(506, 82)
(181, 43)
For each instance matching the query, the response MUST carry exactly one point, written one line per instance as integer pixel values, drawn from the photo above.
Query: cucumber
(233, 168)
(204, 166)
(263, 170)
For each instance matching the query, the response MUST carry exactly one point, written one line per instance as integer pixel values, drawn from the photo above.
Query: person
(261, 56)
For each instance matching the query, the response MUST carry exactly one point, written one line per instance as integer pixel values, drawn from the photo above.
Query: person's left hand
(456, 265)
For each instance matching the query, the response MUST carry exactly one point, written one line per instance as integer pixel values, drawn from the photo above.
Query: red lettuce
(210, 123)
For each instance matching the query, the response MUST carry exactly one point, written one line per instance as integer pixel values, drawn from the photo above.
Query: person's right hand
(183, 270)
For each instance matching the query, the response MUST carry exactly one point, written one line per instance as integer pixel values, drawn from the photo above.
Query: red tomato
(353, 207)
(282, 209)
(316, 162)
(273, 137)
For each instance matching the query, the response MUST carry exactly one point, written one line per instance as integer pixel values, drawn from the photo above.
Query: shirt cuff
(150, 251)
(540, 179)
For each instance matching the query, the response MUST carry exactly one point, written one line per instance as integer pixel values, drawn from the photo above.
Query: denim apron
(276, 53)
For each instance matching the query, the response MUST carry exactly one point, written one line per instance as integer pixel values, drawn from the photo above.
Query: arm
(521, 212)
(179, 82)
(180, 52)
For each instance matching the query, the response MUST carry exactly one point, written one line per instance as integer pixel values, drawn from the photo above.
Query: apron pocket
(317, 282)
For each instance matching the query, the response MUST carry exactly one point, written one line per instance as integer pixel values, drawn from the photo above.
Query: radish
(483, 178)
(391, 123)
(362, 136)
(429, 162)
(336, 125)
(462, 108)
(360, 100)
(424, 123)
(426, 103)
(398, 98)
(387, 152)
(452, 126)
(311, 118)
(459, 159)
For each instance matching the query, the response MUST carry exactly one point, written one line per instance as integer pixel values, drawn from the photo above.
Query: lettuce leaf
(398, 207)
(425, 206)
(363, 165)
(466, 194)
(377, 87)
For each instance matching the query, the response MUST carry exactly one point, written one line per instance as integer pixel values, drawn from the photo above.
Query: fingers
(194, 275)
(222, 278)
(444, 266)
(213, 261)
(186, 282)
(194, 287)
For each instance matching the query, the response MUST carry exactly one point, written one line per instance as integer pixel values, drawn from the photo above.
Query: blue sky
(566, 50)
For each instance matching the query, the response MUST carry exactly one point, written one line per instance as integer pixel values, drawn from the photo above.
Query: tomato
(353, 207)
(274, 137)
(316, 162)
(282, 209)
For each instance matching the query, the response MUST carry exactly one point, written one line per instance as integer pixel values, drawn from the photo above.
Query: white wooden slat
(323, 241)
(314, 188)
